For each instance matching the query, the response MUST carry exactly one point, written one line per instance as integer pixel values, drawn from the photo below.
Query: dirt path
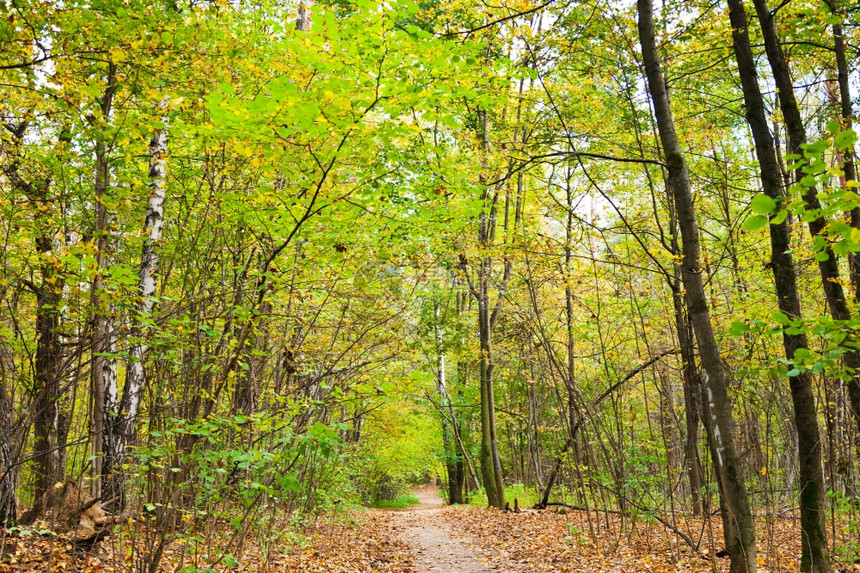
(425, 529)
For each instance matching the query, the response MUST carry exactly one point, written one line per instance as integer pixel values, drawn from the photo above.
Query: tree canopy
(266, 259)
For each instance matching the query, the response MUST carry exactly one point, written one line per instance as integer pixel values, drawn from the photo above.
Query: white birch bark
(303, 21)
(103, 364)
(123, 414)
(153, 226)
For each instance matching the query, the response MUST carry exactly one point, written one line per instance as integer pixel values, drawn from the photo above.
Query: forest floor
(433, 538)
(427, 531)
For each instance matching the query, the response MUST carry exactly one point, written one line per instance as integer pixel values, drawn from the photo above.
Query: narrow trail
(426, 530)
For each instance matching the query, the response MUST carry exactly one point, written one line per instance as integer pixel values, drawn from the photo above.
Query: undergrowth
(399, 502)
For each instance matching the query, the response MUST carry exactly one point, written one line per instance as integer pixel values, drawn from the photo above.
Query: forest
(590, 265)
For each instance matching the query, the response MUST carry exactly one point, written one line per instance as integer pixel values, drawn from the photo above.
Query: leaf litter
(437, 539)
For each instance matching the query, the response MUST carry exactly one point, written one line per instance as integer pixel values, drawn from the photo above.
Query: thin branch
(499, 21)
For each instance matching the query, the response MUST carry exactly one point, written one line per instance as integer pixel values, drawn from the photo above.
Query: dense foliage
(264, 260)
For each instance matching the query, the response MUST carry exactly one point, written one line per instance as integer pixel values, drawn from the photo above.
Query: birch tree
(122, 413)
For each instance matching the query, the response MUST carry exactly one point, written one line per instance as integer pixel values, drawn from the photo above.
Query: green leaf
(840, 248)
(815, 148)
(810, 215)
(755, 222)
(762, 204)
(779, 217)
(845, 139)
(839, 228)
(808, 181)
(781, 318)
(738, 328)
(291, 483)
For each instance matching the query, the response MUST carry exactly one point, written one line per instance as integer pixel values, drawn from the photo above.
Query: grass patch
(526, 496)
(399, 502)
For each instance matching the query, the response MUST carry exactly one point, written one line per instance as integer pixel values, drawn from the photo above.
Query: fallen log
(70, 511)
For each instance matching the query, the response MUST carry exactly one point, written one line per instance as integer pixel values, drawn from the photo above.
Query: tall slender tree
(102, 370)
(828, 264)
(36, 186)
(815, 557)
(122, 413)
(488, 318)
(740, 533)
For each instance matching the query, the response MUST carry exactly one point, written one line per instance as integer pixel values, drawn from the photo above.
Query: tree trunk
(846, 114)
(491, 466)
(8, 446)
(123, 417)
(49, 353)
(573, 417)
(303, 21)
(692, 399)
(103, 372)
(453, 461)
(828, 268)
(815, 557)
(727, 462)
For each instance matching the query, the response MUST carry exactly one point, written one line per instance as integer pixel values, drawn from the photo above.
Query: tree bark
(49, 353)
(727, 463)
(303, 21)
(9, 445)
(815, 557)
(847, 115)
(453, 461)
(573, 417)
(491, 466)
(828, 268)
(49, 356)
(103, 372)
(692, 399)
(122, 430)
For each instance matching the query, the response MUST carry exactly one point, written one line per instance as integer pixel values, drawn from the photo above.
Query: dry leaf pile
(366, 543)
(546, 541)
(34, 552)
(531, 541)
(370, 543)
